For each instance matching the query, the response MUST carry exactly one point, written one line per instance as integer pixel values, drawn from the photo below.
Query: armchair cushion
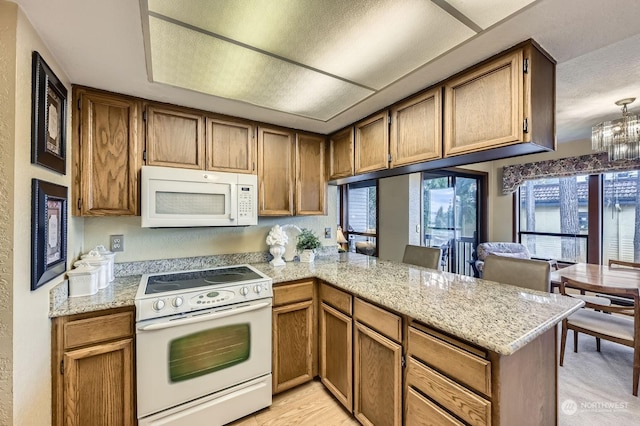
(507, 249)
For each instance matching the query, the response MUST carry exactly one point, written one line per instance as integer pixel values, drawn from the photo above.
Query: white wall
(30, 333)
(400, 211)
(145, 243)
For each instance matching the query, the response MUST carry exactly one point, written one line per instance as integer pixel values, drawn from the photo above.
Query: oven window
(207, 351)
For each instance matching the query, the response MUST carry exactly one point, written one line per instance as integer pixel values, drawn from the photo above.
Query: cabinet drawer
(460, 365)
(336, 298)
(458, 400)
(98, 329)
(290, 293)
(422, 412)
(379, 319)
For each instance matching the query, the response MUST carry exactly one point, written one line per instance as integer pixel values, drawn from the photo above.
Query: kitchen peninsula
(474, 350)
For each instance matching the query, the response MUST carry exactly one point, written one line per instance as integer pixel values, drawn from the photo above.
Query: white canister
(110, 257)
(93, 258)
(83, 281)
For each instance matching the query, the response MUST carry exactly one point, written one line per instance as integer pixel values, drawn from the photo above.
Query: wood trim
(594, 239)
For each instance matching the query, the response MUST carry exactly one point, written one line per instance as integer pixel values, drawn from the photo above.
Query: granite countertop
(494, 316)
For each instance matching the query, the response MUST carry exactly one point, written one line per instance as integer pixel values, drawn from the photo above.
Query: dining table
(599, 278)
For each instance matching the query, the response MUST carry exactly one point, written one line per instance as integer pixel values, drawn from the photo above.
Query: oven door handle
(203, 317)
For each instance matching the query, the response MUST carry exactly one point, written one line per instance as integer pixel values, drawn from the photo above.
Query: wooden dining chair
(428, 257)
(526, 273)
(619, 324)
(615, 262)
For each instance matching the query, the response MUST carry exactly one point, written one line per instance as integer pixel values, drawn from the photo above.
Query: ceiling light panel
(370, 42)
(195, 60)
(488, 12)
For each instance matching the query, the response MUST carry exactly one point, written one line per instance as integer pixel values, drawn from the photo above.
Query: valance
(513, 176)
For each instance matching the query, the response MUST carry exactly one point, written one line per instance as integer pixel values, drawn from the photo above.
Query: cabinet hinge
(62, 366)
(525, 125)
(144, 155)
(79, 203)
(403, 361)
(389, 158)
(253, 165)
(389, 119)
(525, 65)
(144, 115)
(80, 103)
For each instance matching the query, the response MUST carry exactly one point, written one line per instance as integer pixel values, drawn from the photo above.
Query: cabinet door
(175, 138)
(484, 107)
(416, 129)
(98, 385)
(275, 172)
(336, 354)
(292, 345)
(108, 161)
(311, 185)
(378, 378)
(372, 143)
(231, 146)
(341, 154)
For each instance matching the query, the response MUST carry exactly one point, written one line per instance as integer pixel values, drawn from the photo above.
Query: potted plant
(308, 241)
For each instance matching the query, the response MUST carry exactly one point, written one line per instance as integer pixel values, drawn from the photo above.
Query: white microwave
(172, 197)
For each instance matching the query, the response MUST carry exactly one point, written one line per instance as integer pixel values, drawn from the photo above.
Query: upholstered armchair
(506, 249)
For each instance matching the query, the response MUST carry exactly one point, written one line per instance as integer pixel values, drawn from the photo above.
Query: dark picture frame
(48, 231)
(48, 117)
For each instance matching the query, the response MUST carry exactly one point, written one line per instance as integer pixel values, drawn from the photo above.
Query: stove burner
(193, 279)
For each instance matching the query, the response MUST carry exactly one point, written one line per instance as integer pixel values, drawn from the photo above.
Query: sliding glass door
(451, 218)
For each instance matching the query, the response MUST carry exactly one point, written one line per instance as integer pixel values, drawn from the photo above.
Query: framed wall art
(48, 231)
(48, 117)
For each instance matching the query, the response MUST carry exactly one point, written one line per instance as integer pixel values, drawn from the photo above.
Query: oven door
(182, 358)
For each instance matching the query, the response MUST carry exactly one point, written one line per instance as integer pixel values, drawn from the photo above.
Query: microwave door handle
(204, 317)
(233, 203)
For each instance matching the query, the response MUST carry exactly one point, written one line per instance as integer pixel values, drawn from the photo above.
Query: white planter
(307, 256)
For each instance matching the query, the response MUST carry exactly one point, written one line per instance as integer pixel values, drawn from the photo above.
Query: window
(621, 216)
(361, 229)
(554, 218)
(555, 215)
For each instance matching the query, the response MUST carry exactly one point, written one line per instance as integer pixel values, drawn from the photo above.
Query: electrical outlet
(117, 243)
(327, 232)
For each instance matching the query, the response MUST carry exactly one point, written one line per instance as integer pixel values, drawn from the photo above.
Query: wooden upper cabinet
(416, 129)
(231, 146)
(175, 137)
(106, 154)
(311, 185)
(340, 159)
(275, 172)
(506, 100)
(372, 143)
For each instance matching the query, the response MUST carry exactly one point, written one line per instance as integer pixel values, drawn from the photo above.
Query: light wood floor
(306, 405)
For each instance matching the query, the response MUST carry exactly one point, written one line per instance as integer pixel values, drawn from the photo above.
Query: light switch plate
(327, 232)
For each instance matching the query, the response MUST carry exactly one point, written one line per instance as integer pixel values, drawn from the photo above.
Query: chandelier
(619, 138)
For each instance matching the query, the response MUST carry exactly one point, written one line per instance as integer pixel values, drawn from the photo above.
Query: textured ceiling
(101, 44)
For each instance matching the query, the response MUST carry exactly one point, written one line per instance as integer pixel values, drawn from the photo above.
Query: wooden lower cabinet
(336, 348)
(292, 345)
(452, 382)
(294, 334)
(378, 378)
(93, 379)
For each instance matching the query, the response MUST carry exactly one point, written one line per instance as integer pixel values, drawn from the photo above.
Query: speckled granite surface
(494, 316)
